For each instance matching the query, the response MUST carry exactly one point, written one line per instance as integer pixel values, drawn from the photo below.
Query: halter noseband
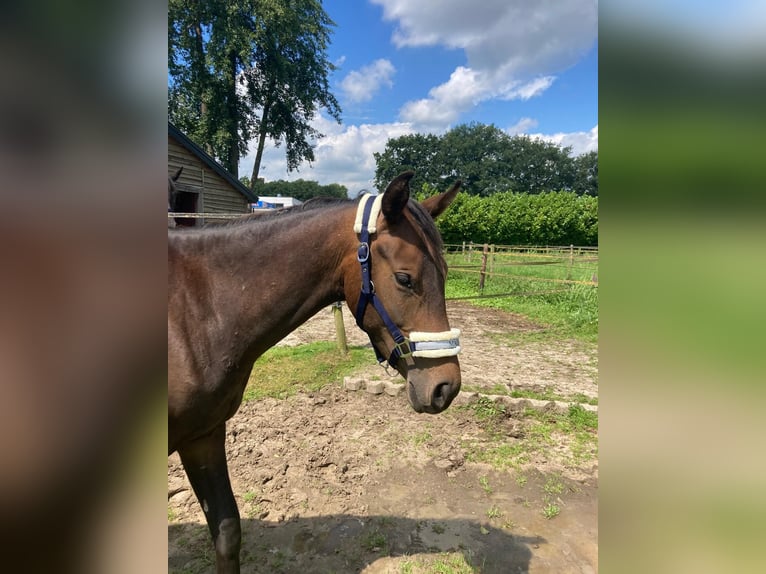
(419, 344)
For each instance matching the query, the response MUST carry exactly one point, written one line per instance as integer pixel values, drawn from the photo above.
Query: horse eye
(404, 280)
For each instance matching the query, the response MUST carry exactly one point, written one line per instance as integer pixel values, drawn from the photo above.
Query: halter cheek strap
(419, 344)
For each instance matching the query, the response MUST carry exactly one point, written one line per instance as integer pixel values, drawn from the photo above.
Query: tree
(487, 159)
(301, 189)
(414, 151)
(249, 69)
(586, 174)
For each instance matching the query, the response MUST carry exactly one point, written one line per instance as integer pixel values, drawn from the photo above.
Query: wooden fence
(564, 265)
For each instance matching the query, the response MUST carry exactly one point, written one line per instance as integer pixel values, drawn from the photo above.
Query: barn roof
(179, 136)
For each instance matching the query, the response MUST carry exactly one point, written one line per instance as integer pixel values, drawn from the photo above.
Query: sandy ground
(344, 481)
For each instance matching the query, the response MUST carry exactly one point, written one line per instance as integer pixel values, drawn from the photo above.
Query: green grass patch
(374, 541)
(283, 371)
(486, 410)
(500, 456)
(542, 430)
(563, 310)
(442, 563)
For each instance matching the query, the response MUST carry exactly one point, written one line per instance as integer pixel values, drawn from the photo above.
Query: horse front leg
(204, 461)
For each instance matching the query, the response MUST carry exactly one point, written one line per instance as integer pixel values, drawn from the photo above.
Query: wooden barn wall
(216, 194)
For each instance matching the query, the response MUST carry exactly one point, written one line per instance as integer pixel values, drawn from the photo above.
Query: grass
(563, 310)
(542, 430)
(442, 563)
(283, 371)
(486, 410)
(374, 541)
(422, 437)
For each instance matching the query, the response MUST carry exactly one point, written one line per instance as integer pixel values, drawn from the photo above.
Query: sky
(426, 66)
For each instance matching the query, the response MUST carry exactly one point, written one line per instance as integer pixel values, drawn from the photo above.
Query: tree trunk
(201, 79)
(233, 152)
(261, 143)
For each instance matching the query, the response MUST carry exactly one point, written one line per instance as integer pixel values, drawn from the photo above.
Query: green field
(556, 288)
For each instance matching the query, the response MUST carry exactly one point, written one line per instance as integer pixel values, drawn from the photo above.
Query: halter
(419, 344)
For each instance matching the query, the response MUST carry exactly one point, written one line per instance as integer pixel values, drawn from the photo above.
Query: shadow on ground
(346, 543)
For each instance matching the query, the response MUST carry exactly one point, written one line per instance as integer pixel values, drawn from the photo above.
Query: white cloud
(529, 38)
(344, 155)
(581, 142)
(464, 89)
(514, 48)
(522, 126)
(361, 85)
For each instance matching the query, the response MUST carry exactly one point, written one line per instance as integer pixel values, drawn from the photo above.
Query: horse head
(401, 305)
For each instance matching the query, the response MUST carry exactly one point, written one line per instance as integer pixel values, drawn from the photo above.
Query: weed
(494, 512)
(374, 541)
(250, 496)
(509, 525)
(486, 409)
(421, 437)
(553, 486)
(485, 484)
(551, 510)
(437, 529)
(521, 480)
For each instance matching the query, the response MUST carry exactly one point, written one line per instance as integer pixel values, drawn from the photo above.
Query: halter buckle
(404, 349)
(363, 253)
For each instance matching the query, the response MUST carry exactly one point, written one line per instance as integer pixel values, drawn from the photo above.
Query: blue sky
(426, 66)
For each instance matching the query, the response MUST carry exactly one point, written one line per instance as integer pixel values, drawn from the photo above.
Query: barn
(204, 186)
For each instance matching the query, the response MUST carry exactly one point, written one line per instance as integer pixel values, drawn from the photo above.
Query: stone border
(377, 387)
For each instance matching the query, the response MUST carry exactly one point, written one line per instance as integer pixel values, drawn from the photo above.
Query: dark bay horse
(235, 290)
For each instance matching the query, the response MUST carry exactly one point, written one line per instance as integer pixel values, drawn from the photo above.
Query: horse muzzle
(432, 384)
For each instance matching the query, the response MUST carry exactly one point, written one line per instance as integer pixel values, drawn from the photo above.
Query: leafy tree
(417, 152)
(301, 189)
(586, 173)
(488, 161)
(241, 70)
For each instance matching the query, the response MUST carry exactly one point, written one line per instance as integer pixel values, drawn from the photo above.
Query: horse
(236, 290)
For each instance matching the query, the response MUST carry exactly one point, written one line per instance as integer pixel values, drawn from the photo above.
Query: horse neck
(271, 276)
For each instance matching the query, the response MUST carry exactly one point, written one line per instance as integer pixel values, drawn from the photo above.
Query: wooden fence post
(483, 274)
(492, 258)
(571, 261)
(340, 328)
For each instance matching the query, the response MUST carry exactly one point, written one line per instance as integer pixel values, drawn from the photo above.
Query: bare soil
(346, 481)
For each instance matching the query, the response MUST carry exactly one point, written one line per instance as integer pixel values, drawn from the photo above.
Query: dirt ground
(346, 481)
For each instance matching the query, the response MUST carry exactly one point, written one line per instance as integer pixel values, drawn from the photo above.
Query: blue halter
(420, 344)
(367, 297)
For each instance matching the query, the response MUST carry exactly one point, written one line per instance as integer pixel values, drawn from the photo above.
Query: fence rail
(173, 215)
(524, 270)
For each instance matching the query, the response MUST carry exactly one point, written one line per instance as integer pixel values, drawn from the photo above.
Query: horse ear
(436, 204)
(178, 174)
(396, 196)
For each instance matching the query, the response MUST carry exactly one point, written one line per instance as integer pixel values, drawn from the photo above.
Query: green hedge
(551, 218)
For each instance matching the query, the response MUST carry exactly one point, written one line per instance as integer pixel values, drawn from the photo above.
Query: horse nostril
(441, 397)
